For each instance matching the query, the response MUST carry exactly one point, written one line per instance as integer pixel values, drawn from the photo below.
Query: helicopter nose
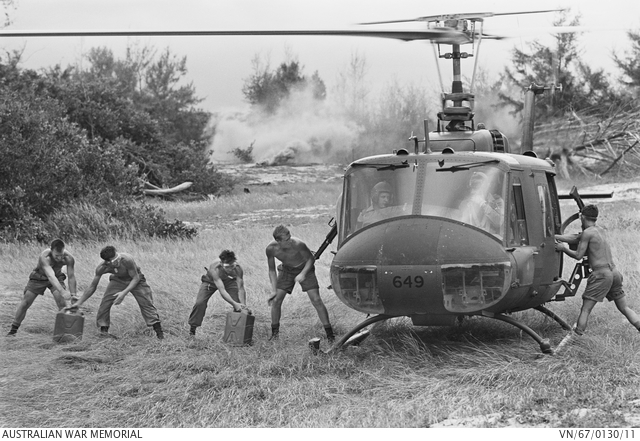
(421, 265)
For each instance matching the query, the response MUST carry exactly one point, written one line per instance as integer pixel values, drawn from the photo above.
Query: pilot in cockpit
(482, 208)
(381, 199)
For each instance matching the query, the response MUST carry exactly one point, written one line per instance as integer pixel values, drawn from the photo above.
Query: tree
(75, 143)
(319, 89)
(144, 98)
(400, 111)
(268, 89)
(48, 161)
(128, 73)
(630, 65)
(351, 90)
(582, 88)
(6, 6)
(173, 104)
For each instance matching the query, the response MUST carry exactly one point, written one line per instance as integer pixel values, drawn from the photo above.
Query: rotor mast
(456, 85)
(457, 106)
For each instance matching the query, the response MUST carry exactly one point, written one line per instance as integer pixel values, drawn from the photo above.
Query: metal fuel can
(238, 330)
(69, 327)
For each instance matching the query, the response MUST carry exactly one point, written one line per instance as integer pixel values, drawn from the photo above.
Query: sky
(218, 66)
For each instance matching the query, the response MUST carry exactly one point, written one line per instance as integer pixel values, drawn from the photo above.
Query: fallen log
(163, 191)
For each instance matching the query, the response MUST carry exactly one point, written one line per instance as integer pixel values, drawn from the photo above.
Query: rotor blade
(527, 12)
(445, 36)
(493, 37)
(523, 32)
(463, 16)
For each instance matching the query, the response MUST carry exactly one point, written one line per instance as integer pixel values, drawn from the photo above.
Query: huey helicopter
(484, 247)
(466, 227)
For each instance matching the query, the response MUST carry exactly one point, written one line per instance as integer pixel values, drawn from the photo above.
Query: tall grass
(481, 374)
(283, 197)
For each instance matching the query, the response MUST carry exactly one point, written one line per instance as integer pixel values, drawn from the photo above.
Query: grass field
(482, 374)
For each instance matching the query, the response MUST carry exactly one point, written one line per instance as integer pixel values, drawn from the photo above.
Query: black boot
(104, 332)
(275, 332)
(158, 328)
(13, 330)
(192, 331)
(330, 336)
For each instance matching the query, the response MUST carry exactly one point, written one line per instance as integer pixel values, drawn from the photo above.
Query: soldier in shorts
(297, 267)
(605, 281)
(48, 275)
(125, 278)
(227, 277)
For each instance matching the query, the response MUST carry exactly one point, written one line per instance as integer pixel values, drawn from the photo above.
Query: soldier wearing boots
(125, 278)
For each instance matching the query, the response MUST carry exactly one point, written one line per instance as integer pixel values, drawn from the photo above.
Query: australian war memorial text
(71, 434)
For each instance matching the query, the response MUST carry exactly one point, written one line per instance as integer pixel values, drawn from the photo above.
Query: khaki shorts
(287, 275)
(604, 282)
(38, 283)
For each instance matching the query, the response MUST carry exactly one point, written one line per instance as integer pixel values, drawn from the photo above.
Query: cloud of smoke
(303, 130)
(495, 116)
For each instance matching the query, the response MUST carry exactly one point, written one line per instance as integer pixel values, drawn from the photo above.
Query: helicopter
(468, 226)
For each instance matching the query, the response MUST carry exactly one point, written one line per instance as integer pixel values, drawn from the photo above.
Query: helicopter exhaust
(427, 147)
(528, 118)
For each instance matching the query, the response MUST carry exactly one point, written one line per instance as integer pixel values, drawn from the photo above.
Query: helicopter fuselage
(444, 247)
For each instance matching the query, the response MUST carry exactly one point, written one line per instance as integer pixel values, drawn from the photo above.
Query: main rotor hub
(457, 24)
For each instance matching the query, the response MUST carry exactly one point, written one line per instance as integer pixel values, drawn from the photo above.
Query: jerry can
(239, 328)
(68, 327)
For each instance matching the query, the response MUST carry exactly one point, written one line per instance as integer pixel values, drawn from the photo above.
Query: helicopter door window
(518, 233)
(555, 206)
(545, 206)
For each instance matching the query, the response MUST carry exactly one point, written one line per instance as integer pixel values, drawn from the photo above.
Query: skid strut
(553, 315)
(346, 340)
(545, 345)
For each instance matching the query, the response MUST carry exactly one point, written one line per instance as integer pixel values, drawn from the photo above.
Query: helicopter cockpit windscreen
(375, 193)
(475, 194)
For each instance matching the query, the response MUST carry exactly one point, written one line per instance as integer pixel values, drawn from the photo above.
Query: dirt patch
(256, 174)
(270, 216)
(539, 418)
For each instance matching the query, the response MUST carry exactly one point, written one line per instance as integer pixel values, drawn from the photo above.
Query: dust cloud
(494, 116)
(303, 130)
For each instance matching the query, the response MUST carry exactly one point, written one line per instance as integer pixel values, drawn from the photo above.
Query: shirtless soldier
(297, 266)
(125, 278)
(48, 274)
(605, 280)
(223, 275)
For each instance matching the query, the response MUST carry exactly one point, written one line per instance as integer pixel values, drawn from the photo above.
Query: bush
(75, 151)
(244, 155)
(85, 220)
(176, 230)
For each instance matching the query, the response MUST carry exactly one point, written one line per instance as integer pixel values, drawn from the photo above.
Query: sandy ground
(255, 174)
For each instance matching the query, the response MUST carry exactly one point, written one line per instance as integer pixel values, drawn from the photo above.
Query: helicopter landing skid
(553, 315)
(545, 345)
(354, 337)
(351, 339)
